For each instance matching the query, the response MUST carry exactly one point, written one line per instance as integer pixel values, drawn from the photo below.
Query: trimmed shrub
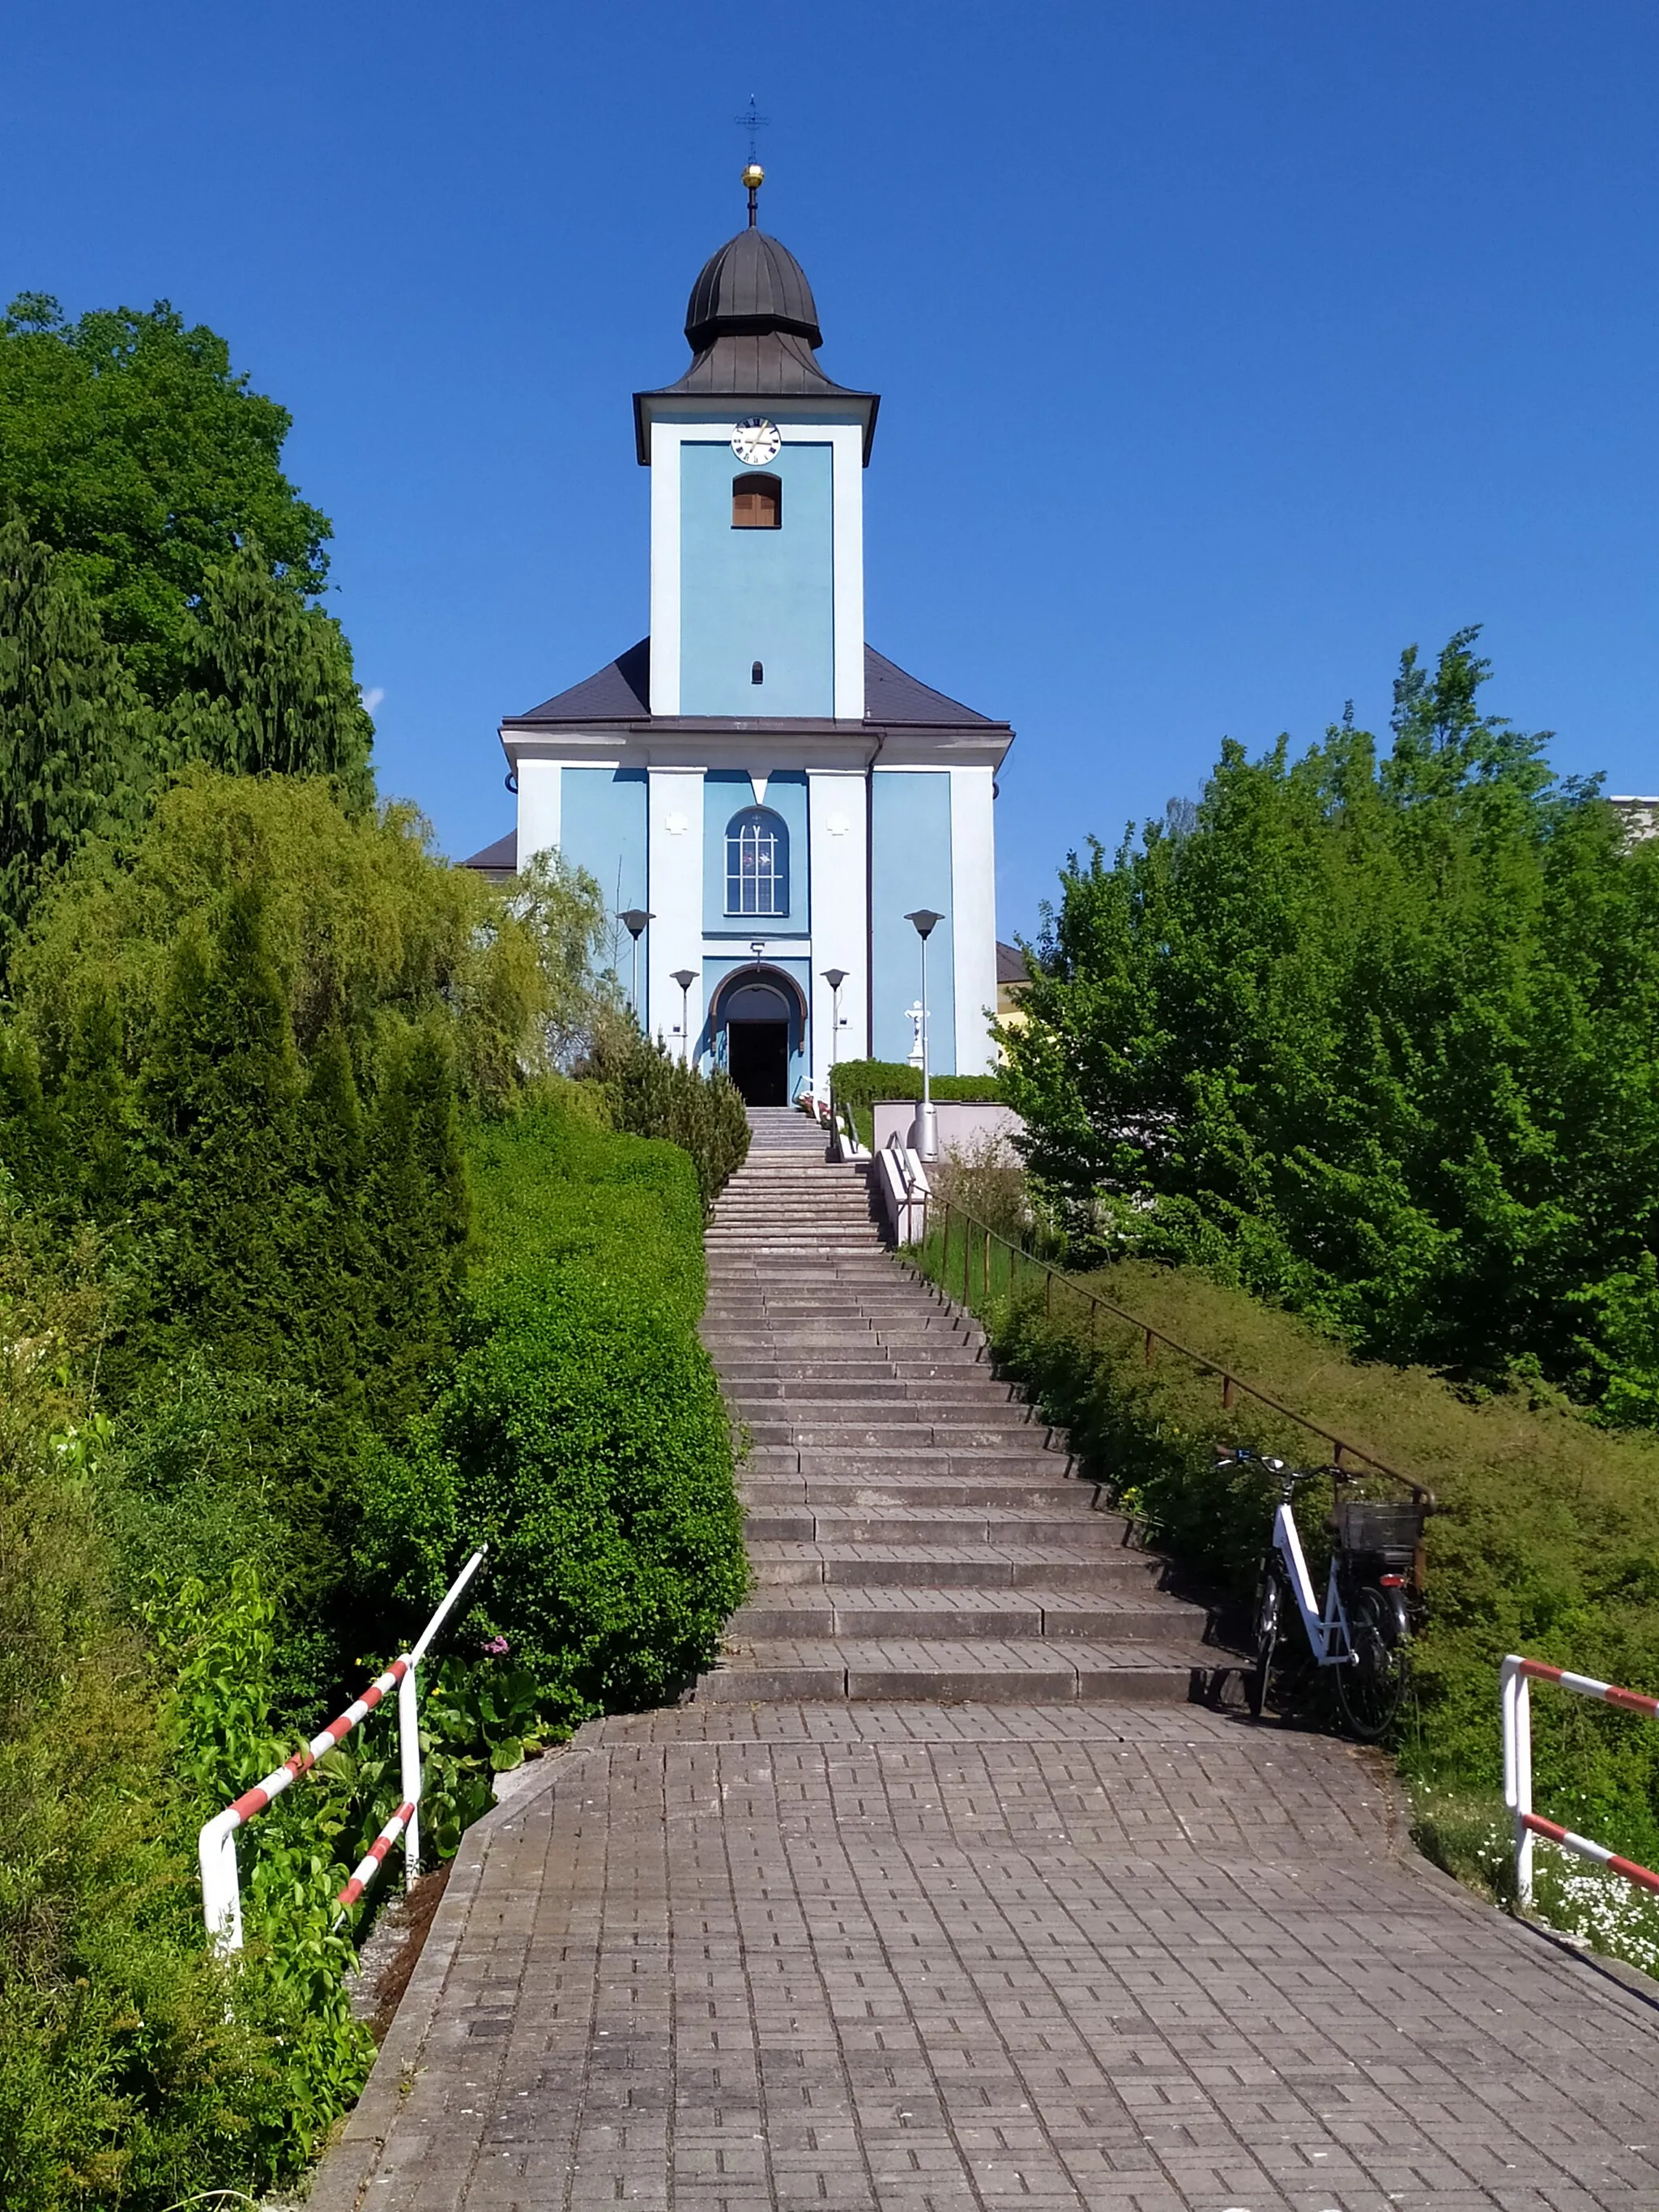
(855, 1085)
(582, 1433)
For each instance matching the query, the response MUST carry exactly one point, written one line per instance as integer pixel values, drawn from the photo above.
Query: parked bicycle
(1371, 1605)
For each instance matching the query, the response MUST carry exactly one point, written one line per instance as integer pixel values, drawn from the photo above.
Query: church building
(763, 798)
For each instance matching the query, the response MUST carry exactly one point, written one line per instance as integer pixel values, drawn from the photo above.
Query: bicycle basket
(1389, 1532)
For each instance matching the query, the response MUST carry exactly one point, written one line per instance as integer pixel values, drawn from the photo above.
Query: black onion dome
(752, 286)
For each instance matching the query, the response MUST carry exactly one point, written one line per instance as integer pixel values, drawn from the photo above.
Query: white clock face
(755, 441)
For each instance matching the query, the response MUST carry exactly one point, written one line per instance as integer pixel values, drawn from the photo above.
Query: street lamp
(925, 1130)
(685, 977)
(835, 977)
(633, 921)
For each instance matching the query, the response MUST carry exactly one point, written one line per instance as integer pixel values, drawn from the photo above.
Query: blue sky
(1226, 346)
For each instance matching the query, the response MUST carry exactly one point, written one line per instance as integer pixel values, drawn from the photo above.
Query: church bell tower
(757, 507)
(763, 799)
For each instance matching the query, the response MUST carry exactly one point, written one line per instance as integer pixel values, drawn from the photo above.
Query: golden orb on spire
(753, 177)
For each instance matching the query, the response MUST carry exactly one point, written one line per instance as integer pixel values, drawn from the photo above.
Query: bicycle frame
(1327, 1632)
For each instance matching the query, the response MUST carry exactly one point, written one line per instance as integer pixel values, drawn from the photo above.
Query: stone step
(1035, 1489)
(923, 1526)
(882, 1611)
(1059, 1565)
(775, 1462)
(890, 1436)
(979, 1670)
(883, 1391)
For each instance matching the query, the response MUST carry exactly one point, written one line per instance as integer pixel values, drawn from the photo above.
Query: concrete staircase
(912, 1528)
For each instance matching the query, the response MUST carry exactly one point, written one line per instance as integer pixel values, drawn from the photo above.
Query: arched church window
(756, 863)
(757, 503)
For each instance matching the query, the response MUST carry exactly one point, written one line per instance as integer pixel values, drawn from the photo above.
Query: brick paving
(866, 1951)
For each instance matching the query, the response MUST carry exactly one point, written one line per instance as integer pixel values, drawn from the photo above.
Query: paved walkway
(814, 1949)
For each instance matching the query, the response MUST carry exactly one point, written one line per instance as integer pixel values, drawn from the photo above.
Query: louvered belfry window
(756, 864)
(757, 503)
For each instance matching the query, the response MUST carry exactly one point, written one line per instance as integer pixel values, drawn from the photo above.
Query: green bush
(651, 1094)
(126, 2078)
(582, 1433)
(855, 1085)
(1548, 1544)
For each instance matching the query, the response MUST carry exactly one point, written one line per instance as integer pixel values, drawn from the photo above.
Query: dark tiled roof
(622, 693)
(752, 283)
(892, 696)
(1010, 964)
(501, 859)
(759, 364)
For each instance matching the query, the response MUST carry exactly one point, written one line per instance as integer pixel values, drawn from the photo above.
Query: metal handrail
(1341, 1448)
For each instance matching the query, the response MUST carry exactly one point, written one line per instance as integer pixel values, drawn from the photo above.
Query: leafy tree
(157, 581)
(128, 442)
(1373, 1036)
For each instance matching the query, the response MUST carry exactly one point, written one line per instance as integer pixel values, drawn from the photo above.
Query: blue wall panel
(727, 792)
(909, 868)
(749, 595)
(603, 829)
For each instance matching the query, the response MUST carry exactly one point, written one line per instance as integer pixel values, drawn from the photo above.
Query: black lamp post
(925, 1130)
(633, 921)
(835, 977)
(685, 977)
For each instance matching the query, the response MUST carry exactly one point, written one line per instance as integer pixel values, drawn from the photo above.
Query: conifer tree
(416, 1215)
(74, 735)
(222, 1090)
(332, 1293)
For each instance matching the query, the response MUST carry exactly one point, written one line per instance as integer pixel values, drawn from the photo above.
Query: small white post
(221, 1898)
(409, 1754)
(1516, 1700)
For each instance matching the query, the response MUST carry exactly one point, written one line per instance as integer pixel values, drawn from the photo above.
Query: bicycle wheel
(1269, 1616)
(1369, 1688)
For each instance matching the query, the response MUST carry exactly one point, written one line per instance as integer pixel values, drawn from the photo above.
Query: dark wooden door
(757, 1061)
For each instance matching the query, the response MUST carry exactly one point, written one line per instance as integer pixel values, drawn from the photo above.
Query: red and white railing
(1515, 1679)
(222, 1895)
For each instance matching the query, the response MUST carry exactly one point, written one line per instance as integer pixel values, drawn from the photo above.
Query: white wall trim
(675, 938)
(665, 568)
(541, 795)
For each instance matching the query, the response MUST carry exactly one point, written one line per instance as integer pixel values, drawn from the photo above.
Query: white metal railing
(1516, 1678)
(905, 1191)
(847, 1143)
(221, 1894)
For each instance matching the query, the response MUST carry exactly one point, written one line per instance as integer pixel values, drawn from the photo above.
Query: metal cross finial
(754, 176)
(752, 120)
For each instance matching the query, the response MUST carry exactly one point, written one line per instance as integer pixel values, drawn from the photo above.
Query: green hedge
(857, 1083)
(582, 1433)
(1548, 1545)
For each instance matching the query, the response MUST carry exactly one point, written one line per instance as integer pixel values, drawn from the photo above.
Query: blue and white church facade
(754, 776)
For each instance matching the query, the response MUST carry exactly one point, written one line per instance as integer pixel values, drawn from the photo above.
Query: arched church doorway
(758, 1015)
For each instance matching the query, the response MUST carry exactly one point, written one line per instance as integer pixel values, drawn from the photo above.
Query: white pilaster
(848, 481)
(540, 788)
(837, 802)
(973, 919)
(666, 568)
(674, 941)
